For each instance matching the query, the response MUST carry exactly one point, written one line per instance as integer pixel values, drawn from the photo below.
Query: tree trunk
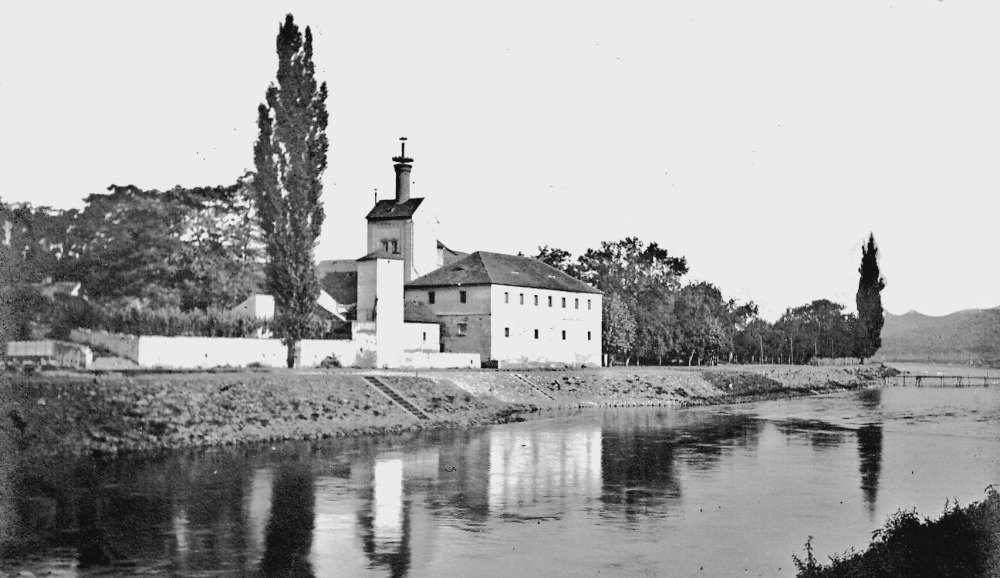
(291, 354)
(690, 358)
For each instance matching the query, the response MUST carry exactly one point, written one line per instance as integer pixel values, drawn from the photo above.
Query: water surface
(726, 491)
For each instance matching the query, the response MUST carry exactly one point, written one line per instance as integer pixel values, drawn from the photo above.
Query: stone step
(396, 398)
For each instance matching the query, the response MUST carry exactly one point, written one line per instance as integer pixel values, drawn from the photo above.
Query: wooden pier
(943, 380)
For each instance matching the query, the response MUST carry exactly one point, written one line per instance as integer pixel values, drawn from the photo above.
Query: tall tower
(402, 226)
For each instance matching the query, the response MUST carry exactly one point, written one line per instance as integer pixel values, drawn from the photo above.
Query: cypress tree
(290, 157)
(869, 301)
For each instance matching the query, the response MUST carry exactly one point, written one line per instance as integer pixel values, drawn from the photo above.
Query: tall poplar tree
(290, 157)
(869, 301)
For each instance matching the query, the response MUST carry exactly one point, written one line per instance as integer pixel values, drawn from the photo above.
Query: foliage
(962, 542)
(619, 327)
(869, 301)
(290, 157)
(648, 315)
(819, 329)
(186, 247)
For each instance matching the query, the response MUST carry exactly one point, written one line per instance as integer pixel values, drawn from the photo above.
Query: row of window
(506, 333)
(462, 297)
(576, 300)
(394, 244)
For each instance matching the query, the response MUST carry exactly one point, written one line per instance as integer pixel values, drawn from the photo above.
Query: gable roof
(483, 268)
(382, 254)
(448, 255)
(389, 209)
(341, 285)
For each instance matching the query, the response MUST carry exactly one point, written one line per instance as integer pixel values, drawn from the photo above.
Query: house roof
(449, 256)
(382, 254)
(61, 288)
(341, 285)
(389, 209)
(483, 268)
(417, 312)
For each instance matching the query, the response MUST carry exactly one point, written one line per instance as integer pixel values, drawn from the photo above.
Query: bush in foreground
(962, 542)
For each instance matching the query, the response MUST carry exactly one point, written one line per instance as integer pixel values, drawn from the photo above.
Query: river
(722, 491)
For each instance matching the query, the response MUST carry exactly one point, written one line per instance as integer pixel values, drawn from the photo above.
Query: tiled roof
(341, 285)
(449, 256)
(482, 268)
(382, 254)
(389, 209)
(416, 312)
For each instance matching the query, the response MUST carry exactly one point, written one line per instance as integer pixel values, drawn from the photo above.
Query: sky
(761, 140)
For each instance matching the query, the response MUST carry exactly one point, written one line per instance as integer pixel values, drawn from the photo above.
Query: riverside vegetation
(111, 413)
(962, 542)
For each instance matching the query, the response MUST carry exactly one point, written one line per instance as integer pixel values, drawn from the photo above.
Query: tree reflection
(870, 462)
(289, 534)
(639, 462)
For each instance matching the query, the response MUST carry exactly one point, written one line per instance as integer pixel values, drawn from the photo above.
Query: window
(522, 298)
(564, 335)
(385, 245)
(564, 302)
(576, 303)
(536, 334)
(588, 336)
(550, 301)
(506, 331)
(588, 303)
(395, 246)
(506, 297)
(430, 297)
(463, 328)
(461, 296)
(536, 300)
(425, 336)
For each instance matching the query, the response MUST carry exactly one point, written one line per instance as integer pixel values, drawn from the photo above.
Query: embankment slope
(69, 414)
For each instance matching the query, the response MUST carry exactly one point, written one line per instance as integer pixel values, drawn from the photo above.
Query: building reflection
(531, 468)
(383, 521)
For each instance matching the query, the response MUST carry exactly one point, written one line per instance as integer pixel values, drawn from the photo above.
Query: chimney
(403, 168)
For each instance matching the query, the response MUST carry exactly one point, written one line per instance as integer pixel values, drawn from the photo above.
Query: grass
(962, 542)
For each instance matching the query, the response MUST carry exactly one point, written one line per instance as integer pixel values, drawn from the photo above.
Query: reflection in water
(384, 520)
(454, 501)
(290, 529)
(639, 459)
(531, 467)
(870, 462)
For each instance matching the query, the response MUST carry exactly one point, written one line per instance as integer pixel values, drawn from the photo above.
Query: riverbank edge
(137, 414)
(963, 541)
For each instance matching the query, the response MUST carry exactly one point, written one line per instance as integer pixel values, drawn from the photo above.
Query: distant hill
(972, 335)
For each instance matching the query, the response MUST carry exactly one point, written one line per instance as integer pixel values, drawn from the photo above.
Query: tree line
(651, 317)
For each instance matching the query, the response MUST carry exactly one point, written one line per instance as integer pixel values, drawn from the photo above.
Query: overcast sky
(762, 140)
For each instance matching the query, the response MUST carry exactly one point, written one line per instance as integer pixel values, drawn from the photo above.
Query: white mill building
(420, 297)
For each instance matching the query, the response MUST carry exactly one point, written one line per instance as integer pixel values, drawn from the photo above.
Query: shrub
(330, 361)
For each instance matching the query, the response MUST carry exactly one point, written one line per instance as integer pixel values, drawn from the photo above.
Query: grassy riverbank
(962, 542)
(71, 414)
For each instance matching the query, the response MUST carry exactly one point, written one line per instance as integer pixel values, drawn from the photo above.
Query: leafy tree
(193, 248)
(290, 157)
(558, 258)
(619, 327)
(869, 301)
